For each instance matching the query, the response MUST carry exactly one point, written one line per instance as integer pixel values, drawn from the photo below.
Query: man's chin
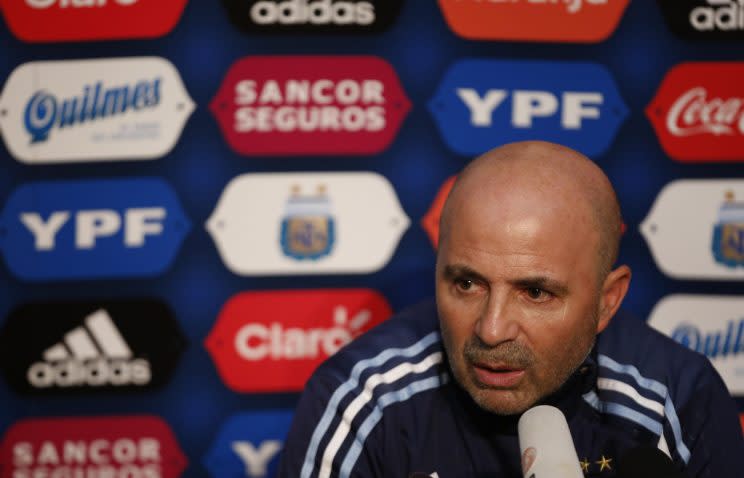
(501, 402)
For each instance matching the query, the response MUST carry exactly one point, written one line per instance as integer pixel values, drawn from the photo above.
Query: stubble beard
(525, 395)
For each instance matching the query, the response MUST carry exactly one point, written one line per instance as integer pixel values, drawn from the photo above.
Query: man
(525, 297)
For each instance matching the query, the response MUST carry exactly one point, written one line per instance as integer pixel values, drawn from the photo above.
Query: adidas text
(94, 373)
(721, 15)
(319, 12)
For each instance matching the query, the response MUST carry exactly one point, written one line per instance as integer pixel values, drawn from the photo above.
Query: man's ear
(612, 294)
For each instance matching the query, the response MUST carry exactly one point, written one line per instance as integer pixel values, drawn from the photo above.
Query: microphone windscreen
(546, 445)
(646, 462)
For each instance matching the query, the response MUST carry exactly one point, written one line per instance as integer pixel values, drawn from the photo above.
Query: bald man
(526, 293)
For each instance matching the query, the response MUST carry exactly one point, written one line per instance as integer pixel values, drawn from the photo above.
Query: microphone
(546, 445)
(647, 462)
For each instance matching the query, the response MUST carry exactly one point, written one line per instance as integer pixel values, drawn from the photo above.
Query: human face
(518, 302)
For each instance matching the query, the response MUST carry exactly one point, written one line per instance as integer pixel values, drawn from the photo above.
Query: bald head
(544, 181)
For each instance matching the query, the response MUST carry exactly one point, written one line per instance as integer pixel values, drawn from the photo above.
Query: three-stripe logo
(53, 348)
(94, 354)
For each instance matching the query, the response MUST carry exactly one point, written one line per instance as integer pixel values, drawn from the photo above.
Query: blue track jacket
(387, 406)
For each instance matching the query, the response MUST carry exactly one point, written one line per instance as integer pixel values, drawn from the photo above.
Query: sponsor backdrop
(201, 200)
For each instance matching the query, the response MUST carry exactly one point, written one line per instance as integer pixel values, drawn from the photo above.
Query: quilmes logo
(93, 110)
(705, 19)
(698, 112)
(534, 20)
(307, 230)
(44, 111)
(312, 16)
(92, 228)
(249, 444)
(134, 446)
(330, 223)
(310, 105)
(710, 325)
(76, 20)
(706, 214)
(481, 104)
(73, 347)
(287, 334)
(728, 233)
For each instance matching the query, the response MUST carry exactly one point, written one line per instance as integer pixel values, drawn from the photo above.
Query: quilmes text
(712, 343)
(45, 111)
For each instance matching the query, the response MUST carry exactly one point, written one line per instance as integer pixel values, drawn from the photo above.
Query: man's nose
(497, 322)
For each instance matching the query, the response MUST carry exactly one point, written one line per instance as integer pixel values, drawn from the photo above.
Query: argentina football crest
(728, 233)
(307, 230)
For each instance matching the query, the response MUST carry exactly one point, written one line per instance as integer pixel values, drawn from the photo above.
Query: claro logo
(82, 20)
(319, 12)
(42, 4)
(272, 341)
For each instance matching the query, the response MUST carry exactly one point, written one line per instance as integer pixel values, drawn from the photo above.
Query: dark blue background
(421, 48)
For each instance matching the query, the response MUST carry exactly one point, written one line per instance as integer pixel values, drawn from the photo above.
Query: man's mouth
(497, 376)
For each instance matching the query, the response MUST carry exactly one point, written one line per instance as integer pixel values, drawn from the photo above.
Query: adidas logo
(723, 15)
(93, 354)
(318, 12)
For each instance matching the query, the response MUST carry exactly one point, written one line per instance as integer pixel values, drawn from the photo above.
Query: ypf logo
(249, 444)
(132, 446)
(695, 229)
(307, 223)
(710, 325)
(312, 16)
(92, 228)
(272, 341)
(580, 21)
(705, 19)
(59, 347)
(76, 20)
(698, 112)
(93, 110)
(481, 104)
(292, 105)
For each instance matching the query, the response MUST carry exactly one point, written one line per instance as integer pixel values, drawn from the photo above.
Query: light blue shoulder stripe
(351, 383)
(654, 426)
(369, 423)
(661, 390)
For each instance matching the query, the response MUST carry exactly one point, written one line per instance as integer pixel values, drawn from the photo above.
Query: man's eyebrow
(452, 271)
(541, 282)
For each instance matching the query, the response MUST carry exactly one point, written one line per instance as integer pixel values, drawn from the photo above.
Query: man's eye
(536, 293)
(464, 284)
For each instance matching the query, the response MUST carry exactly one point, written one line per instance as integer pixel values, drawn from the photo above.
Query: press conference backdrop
(203, 200)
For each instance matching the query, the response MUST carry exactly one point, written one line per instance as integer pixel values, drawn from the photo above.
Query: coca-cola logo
(312, 16)
(272, 341)
(124, 446)
(76, 20)
(698, 112)
(705, 19)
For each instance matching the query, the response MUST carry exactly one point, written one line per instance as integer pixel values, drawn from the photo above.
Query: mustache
(511, 354)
